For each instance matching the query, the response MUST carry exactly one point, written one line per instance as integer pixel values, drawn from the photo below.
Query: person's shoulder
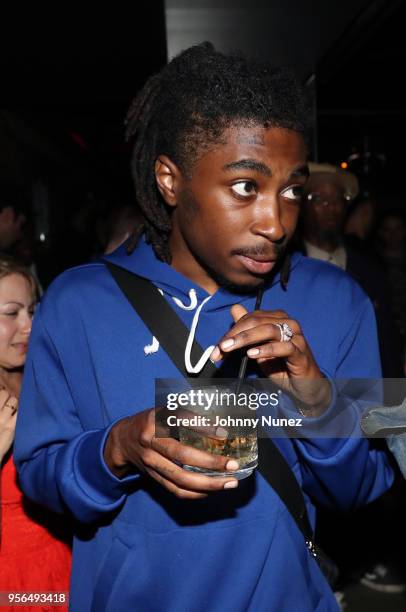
(317, 269)
(75, 283)
(326, 279)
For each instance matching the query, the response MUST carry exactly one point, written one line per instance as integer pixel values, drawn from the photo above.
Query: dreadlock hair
(183, 111)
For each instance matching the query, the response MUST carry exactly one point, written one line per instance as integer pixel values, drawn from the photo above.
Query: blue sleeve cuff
(92, 473)
(339, 419)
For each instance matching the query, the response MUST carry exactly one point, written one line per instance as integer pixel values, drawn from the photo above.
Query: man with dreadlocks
(219, 166)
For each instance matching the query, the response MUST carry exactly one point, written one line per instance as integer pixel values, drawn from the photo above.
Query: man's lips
(257, 265)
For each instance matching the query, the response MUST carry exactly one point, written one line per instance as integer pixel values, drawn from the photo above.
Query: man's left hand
(290, 363)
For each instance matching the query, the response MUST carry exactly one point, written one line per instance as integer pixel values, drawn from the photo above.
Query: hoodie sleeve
(340, 467)
(60, 463)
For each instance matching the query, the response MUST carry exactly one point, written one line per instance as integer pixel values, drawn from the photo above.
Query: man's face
(236, 212)
(324, 208)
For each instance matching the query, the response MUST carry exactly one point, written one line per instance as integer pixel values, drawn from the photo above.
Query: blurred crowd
(354, 230)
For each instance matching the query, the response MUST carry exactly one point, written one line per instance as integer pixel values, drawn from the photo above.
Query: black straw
(244, 361)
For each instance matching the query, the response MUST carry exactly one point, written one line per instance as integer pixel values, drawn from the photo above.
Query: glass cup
(235, 437)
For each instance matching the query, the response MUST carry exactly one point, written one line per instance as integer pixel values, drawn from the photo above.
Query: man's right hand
(132, 443)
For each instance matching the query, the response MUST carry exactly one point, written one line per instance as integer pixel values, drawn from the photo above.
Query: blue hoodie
(137, 547)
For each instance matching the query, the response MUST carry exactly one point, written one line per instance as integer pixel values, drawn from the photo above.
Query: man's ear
(167, 176)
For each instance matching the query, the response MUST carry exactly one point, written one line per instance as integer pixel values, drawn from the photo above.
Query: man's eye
(244, 188)
(295, 192)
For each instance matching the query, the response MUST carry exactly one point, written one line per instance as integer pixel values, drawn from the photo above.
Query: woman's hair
(11, 265)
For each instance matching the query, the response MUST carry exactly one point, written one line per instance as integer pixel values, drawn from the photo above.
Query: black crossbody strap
(276, 470)
(172, 334)
(159, 317)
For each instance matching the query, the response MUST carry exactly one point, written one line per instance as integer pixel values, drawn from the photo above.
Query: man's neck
(185, 264)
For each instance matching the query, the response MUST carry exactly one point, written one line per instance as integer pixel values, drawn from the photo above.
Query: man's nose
(268, 222)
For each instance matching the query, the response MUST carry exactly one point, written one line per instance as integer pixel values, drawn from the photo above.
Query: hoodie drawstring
(151, 348)
(154, 346)
(203, 359)
(193, 301)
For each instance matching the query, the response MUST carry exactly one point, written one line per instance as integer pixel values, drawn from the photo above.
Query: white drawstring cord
(202, 361)
(151, 348)
(154, 346)
(193, 301)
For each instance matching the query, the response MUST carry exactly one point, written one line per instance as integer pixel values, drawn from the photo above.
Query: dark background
(68, 75)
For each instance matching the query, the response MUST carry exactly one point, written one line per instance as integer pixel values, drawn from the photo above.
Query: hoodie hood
(144, 262)
(181, 291)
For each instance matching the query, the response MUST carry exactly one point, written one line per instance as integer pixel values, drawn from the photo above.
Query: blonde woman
(32, 559)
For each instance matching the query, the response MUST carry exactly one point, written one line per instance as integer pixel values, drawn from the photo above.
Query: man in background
(327, 195)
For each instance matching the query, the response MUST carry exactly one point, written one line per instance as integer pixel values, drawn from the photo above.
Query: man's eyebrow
(249, 164)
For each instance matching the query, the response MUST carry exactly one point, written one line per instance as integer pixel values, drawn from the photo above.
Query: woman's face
(17, 303)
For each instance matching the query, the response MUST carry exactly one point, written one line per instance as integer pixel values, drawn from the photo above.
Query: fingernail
(233, 484)
(232, 465)
(221, 432)
(252, 352)
(215, 356)
(227, 343)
